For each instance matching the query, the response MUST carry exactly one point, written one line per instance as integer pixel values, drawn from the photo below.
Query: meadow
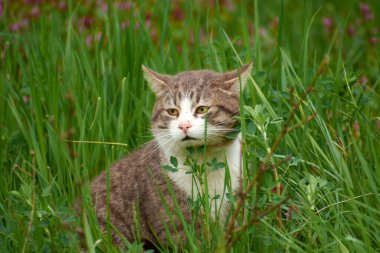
(73, 100)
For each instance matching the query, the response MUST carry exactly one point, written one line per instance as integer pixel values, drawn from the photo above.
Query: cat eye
(173, 112)
(201, 109)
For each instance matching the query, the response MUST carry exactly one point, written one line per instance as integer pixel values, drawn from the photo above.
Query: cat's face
(189, 101)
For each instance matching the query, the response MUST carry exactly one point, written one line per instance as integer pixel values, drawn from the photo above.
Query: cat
(184, 102)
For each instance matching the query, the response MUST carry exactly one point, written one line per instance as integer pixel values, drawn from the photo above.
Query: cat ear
(158, 82)
(232, 81)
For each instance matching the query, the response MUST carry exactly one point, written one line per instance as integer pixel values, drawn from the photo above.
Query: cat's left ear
(158, 82)
(231, 80)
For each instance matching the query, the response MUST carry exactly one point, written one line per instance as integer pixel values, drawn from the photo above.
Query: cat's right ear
(158, 82)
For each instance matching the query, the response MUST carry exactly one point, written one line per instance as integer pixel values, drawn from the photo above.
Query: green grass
(55, 89)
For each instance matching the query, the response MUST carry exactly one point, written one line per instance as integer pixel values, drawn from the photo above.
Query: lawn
(73, 100)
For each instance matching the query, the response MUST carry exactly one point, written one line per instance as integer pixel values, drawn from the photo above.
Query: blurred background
(73, 100)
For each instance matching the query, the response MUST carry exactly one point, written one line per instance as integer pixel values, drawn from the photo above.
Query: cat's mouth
(188, 138)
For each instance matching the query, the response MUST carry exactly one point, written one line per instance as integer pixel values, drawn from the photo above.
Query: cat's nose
(184, 126)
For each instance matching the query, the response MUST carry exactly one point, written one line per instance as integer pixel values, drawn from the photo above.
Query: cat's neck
(230, 153)
(228, 149)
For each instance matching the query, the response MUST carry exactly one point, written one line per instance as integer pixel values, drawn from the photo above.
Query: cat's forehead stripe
(186, 105)
(192, 93)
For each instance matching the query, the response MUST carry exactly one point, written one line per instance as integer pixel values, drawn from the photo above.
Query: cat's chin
(188, 138)
(190, 142)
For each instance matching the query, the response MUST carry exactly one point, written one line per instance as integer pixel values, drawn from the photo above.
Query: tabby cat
(185, 104)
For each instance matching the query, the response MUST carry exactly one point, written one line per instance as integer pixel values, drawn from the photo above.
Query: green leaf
(46, 191)
(231, 135)
(250, 111)
(217, 196)
(187, 162)
(251, 128)
(170, 168)
(276, 121)
(174, 161)
(212, 162)
(295, 160)
(219, 165)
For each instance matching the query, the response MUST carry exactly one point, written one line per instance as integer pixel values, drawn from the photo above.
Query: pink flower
(104, 7)
(373, 40)
(62, 5)
(87, 21)
(25, 23)
(124, 25)
(191, 38)
(89, 40)
(356, 126)
(369, 16)
(328, 23)
(366, 12)
(228, 4)
(288, 214)
(32, 1)
(351, 31)
(292, 210)
(178, 14)
(275, 22)
(123, 6)
(262, 32)
(35, 12)
(99, 36)
(26, 99)
(356, 129)
(1, 9)
(364, 8)
(84, 23)
(153, 33)
(274, 189)
(147, 19)
(15, 27)
(363, 80)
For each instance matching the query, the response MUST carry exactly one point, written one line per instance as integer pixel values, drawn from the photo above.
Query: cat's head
(185, 100)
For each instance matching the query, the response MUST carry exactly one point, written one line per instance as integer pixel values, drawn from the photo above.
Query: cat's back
(132, 184)
(130, 171)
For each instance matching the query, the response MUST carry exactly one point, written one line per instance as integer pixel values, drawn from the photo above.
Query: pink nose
(185, 126)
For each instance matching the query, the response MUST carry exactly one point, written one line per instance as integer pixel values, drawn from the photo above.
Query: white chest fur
(231, 154)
